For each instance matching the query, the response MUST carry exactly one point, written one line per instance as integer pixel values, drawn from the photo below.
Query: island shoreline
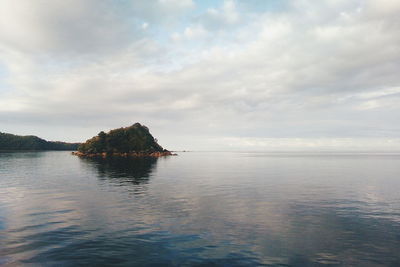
(156, 154)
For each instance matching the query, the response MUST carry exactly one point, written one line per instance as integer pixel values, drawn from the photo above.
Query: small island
(133, 141)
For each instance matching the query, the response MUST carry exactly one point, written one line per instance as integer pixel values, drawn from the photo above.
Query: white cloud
(177, 3)
(145, 25)
(315, 144)
(383, 8)
(381, 93)
(226, 15)
(326, 69)
(371, 104)
(195, 32)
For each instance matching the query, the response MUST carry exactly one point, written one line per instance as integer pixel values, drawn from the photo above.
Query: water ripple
(200, 209)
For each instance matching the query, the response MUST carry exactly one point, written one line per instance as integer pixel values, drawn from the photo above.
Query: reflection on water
(200, 209)
(135, 170)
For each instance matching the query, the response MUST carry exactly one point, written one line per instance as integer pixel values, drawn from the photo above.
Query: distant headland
(12, 142)
(134, 140)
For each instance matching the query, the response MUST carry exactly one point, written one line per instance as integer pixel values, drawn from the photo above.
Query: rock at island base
(131, 154)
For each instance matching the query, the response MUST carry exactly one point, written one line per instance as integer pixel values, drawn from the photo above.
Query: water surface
(200, 209)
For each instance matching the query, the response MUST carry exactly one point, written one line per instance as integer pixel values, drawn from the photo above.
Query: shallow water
(200, 209)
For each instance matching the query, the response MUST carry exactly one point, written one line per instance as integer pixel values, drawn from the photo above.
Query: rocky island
(133, 141)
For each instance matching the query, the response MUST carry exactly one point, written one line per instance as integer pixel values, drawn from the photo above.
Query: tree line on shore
(30, 142)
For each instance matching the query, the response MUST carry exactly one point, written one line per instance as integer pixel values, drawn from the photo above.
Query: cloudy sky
(205, 74)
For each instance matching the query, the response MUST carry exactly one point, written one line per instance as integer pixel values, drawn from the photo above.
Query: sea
(200, 209)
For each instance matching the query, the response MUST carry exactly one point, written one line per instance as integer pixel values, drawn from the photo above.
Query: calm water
(200, 209)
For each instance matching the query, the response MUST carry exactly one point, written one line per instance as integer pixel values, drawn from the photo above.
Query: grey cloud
(64, 27)
(296, 75)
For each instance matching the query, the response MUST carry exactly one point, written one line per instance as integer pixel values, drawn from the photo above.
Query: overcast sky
(205, 75)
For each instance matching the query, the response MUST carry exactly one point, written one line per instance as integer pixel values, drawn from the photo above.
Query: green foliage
(16, 142)
(135, 138)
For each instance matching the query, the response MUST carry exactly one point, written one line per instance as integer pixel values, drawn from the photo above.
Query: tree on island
(133, 139)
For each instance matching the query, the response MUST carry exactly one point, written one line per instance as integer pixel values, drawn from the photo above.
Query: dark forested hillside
(135, 138)
(17, 142)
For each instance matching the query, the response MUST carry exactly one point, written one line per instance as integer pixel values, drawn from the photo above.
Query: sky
(254, 75)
